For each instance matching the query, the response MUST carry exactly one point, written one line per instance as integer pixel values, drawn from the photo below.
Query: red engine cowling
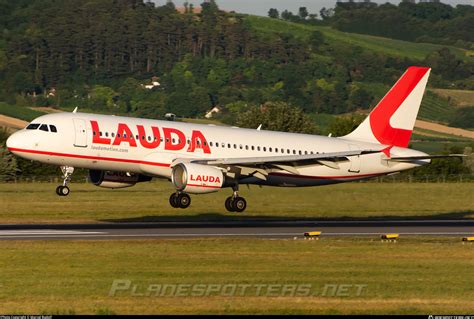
(111, 179)
(197, 178)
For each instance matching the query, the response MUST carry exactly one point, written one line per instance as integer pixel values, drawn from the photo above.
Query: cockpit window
(53, 129)
(44, 127)
(32, 126)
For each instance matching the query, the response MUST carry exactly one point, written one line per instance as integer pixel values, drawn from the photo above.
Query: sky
(260, 7)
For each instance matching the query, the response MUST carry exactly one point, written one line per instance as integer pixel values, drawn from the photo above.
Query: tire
(58, 190)
(174, 200)
(183, 200)
(239, 204)
(64, 190)
(228, 204)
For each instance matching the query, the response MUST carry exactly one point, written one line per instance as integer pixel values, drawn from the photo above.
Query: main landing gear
(63, 190)
(235, 203)
(180, 200)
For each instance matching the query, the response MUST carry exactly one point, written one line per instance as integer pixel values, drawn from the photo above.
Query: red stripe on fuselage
(110, 159)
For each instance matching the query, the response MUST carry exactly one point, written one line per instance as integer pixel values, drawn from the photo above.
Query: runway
(234, 229)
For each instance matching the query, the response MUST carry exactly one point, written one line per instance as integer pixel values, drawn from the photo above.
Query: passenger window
(113, 134)
(246, 147)
(32, 126)
(210, 144)
(106, 134)
(253, 148)
(264, 149)
(258, 148)
(53, 129)
(44, 127)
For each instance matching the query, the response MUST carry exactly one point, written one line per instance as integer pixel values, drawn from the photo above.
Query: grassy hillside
(460, 98)
(379, 44)
(19, 112)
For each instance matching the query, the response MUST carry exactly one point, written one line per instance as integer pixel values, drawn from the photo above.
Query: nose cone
(13, 142)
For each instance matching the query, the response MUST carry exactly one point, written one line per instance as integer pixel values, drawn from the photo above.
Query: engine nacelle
(111, 179)
(197, 178)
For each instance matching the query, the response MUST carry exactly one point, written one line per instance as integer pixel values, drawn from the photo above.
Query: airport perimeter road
(244, 229)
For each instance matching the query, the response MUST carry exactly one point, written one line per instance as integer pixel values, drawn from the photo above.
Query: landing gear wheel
(174, 200)
(239, 204)
(183, 200)
(228, 204)
(235, 204)
(62, 190)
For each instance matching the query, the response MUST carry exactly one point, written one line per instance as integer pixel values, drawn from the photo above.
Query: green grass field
(38, 202)
(459, 97)
(388, 46)
(412, 276)
(19, 112)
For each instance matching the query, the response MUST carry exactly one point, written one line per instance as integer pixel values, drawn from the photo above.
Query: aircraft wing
(282, 159)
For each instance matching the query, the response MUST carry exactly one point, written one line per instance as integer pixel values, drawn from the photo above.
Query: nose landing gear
(63, 190)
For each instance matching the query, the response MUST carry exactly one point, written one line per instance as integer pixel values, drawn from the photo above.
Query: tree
(8, 164)
(273, 13)
(287, 15)
(303, 13)
(343, 125)
(277, 116)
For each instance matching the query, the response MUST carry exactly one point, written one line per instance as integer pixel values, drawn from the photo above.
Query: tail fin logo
(405, 96)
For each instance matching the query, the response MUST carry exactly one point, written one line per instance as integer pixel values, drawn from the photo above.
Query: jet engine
(111, 179)
(197, 178)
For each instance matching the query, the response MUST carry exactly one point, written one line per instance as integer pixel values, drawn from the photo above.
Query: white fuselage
(97, 142)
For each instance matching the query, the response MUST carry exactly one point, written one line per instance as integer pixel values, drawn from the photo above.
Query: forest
(100, 54)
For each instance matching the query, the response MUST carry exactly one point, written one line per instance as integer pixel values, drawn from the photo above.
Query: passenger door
(80, 132)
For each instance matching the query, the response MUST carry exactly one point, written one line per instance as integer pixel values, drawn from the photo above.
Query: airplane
(199, 159)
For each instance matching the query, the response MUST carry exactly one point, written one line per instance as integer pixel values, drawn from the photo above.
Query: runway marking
(44, 232)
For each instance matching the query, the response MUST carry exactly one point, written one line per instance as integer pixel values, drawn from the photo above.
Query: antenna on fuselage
(75, 110)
